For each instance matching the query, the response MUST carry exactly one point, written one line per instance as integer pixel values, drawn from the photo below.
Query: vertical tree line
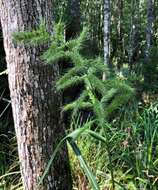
(36, 107)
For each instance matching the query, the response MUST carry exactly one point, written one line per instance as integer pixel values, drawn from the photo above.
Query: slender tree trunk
(155, 21)
(149, 28)
(134, 33)
(106, 31)
(149, 31)
(36, 107)
(120, 34)
(74, 21)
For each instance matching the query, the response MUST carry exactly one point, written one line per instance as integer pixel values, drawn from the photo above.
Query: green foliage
(134, 154)
(86, 71)
(132, 140)
(70, 138)
(102, 97)
(34, 37)
(89, 72)
(9, 164)
(146, 152)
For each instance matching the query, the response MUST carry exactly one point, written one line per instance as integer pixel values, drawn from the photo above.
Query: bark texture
(120, 33)
(35, 103)
(106, 31)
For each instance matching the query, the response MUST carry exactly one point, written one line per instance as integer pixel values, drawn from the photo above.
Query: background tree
(120, 33)
(149, 28)
(106, 31)
(134, 33)
(73, 27)
(149, 46)
(36, 107)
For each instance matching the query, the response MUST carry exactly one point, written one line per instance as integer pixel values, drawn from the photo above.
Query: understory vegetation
(111, 113)
(112, 132)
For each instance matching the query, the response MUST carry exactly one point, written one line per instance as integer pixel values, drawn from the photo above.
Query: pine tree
(35, 102)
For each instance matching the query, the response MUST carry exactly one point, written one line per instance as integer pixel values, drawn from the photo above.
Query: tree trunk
(149, 31)
(149, 28)
(36, 107)
(106, 31)
(74, 22)
(120, 33)
(134, 46)
(155, 20)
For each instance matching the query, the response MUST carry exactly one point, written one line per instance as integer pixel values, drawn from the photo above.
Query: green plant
(146, 138)
(10, 177)
(102, 97)
(138, 151)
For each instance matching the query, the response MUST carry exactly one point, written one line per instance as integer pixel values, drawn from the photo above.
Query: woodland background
(133, 125)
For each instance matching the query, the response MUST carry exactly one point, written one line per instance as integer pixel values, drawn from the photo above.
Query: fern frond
(101, 96)
(35, 37)
(99, 65)
(110, 93)
(80, 103)
(99, 112)
(70, 82)
(76, 44)
(76, 58)
(122, 95)
(118, 84)
(116, 102)
(75, 71)
(72, 106)
(97, 84)
(58, 36)
(53, 56)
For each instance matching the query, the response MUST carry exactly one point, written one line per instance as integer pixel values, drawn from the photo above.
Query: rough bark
(106, 31)
(35, 103)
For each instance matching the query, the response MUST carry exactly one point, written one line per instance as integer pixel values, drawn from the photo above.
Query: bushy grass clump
(134, 151)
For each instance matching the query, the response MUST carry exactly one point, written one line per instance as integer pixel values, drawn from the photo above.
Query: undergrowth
(10, 178)
(119, 139)
(134, 152)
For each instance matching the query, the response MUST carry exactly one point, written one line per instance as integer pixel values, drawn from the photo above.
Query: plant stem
(111, 167)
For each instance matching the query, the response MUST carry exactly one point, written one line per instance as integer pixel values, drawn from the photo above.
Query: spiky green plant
(101, 96)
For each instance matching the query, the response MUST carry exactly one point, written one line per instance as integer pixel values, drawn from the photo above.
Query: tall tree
(149, 28)
(74, 21)
(106, 31)
(149, 32)
(117, 37)
(133, 49)
(36, 107)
